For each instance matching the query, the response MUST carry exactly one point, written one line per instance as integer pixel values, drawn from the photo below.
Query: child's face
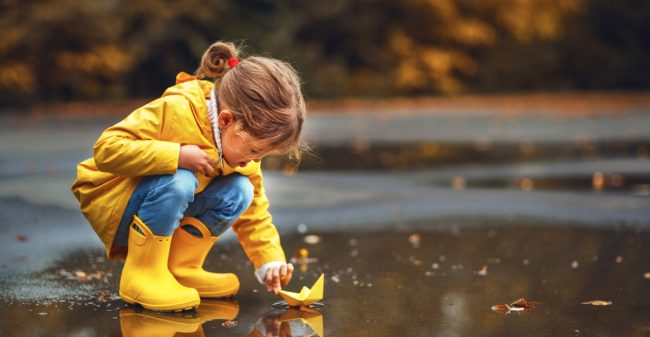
(238, 147)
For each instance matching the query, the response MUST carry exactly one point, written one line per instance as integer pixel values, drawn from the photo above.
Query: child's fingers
(283, 271)
(268, 280)
(209, 170)
(278, 277)
(287, 276)
(276, 281)
(283, 274)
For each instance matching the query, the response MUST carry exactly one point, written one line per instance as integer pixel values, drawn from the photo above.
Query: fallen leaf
(229, 324)
(82, 276)
(21, 238)
(106, 296)
(302, 253)
(501, 308)
(598, 303)
(414, 240)
(519, 305)
(522, 303)
(302, 259)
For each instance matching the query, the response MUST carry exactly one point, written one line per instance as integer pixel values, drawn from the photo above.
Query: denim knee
(181, 186)
(243, 193)
(164, 200)
(223, 201)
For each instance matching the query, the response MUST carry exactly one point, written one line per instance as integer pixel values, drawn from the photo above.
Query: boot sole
(176, 307)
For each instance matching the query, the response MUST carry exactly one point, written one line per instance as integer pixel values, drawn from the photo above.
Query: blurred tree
(81, 49)
(60, 50)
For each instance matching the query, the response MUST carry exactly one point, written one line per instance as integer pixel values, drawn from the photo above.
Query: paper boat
(306, 296)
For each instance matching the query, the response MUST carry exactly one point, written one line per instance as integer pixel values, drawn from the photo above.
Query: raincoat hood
(196, 92)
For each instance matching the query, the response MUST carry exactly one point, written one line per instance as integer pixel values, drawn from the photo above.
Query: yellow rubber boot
(146, 279)
(186, 258)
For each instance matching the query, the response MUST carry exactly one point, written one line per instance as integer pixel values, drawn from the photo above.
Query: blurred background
(118, 49)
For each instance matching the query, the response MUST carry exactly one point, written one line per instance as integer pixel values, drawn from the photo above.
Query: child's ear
(225, 119)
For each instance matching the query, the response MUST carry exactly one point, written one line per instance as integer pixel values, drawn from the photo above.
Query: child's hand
(193, 158)
(278, 277)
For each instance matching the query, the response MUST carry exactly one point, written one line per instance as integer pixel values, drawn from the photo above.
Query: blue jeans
(161, 201)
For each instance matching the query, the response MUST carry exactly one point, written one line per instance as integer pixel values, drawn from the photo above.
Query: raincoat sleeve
(255, 230)
(136, 146)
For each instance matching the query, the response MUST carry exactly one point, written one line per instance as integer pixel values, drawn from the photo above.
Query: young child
(175, 174)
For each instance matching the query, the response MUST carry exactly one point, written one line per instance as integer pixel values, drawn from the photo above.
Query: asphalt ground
(487, 171)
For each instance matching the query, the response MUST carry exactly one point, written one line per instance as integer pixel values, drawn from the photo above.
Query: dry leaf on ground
(516, 306)
(598, 303)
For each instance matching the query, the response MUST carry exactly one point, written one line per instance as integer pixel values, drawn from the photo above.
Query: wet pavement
(553, 210)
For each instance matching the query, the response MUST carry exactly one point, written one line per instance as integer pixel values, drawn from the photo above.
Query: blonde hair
(263, 94)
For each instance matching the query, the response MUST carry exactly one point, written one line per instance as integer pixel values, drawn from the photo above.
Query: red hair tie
(233, 62)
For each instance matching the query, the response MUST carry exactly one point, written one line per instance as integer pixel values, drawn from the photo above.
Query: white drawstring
(213, 113)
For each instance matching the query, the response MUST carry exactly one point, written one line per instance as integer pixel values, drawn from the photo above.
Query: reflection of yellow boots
(146, 279)
(211, 309)
(136, 323)
(147, 323)
(186, 258)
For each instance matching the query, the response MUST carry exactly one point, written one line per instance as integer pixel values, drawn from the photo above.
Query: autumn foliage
(74, 49)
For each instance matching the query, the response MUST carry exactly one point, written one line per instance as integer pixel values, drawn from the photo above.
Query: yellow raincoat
(147, 142)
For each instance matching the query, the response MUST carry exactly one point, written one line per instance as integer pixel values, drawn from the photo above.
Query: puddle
(436, 283)
(633, 184)
(409, 155)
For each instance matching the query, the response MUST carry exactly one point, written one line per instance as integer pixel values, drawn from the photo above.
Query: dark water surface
(421, 223)
(440, 283)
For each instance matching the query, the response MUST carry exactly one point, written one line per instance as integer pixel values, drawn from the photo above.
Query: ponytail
(214, 62)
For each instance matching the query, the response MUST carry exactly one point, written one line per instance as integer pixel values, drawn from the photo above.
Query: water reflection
(136, 322)
(428, 283)
(290, 323)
